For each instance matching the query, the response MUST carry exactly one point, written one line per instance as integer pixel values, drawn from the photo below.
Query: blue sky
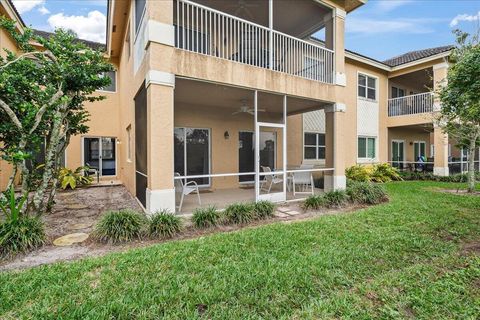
(380, 29)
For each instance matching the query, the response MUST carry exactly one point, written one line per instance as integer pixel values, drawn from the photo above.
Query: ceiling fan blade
(236, 112)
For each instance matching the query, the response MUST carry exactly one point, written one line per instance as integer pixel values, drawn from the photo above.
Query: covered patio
(235, 144)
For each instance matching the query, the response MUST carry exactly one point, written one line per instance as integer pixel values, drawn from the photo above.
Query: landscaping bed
(413, 257)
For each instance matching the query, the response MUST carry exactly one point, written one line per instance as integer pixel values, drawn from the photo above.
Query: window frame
(367, 76)
(316, 146)
(367, 158)
(129, 143)
(115, 79)
(398, 89)
(140, 20)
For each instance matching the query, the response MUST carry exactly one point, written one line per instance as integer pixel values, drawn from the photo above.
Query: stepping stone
(79, 226)
(280, 214)
(70, 239)
(283, 209)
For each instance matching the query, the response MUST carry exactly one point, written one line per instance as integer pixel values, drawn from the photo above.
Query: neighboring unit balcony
(212, 32)
(413, 104)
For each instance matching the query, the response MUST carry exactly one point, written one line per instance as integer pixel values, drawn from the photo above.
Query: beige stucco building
(219, 93)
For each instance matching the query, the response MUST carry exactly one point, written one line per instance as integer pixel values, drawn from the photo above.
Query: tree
(42, 97)
(460, 98)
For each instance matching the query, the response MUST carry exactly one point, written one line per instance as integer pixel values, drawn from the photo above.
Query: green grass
(402, 259)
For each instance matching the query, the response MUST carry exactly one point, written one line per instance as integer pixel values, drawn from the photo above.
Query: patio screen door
(419, 149)
(246, 152)
(397, 154)
(270, 163)
(192, 153)
(100, 153)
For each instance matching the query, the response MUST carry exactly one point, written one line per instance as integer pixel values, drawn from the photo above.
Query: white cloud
(389, 5)
(27, 5)
(464, 17)
(376, 26)
(43, 10)
(91, 27)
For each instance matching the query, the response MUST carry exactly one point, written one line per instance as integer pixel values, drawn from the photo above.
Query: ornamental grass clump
(21, 235)
(264, 209)
(205, 217)
(239, 213)
(314, 202)
(366, 193)
(335, 199)
(164, 224)
(120, 226)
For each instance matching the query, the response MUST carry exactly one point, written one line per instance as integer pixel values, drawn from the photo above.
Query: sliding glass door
(192, 153)
(246, 152)
(100, 154)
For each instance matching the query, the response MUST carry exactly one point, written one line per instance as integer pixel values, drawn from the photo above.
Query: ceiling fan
(244, 108)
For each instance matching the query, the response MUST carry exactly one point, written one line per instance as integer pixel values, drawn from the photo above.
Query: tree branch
(11, 114)
(39, 115)
(47, 54)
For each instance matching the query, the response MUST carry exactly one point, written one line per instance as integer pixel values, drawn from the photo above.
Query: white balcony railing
(414, 104)
(208, 31)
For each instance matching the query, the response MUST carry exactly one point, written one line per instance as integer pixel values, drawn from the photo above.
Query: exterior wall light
(226, 135)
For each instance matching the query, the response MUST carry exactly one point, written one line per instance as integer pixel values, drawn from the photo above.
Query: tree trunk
(471, 165)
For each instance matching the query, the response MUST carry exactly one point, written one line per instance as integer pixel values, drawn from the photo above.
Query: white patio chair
(186, 189)
(304, 180)
(269, 180)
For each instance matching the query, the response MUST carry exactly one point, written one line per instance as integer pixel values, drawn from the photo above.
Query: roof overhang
(13, 14)
(423, 60)
(365, 60)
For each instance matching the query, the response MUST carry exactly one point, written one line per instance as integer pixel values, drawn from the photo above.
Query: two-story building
(250, 100)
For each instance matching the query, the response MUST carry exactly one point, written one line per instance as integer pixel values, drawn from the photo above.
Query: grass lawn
(415, 257)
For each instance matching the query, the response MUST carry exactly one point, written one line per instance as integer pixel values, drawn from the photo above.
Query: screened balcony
(249, 32)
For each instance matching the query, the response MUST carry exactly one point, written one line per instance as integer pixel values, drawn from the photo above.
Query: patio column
(440, 160)
(335, 145)
(335, 40)
(160, 151)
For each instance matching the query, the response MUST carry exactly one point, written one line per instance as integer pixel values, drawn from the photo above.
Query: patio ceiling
(299, 18)
(192, 92)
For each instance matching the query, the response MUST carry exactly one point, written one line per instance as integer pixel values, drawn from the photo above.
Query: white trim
(340, 13)
(159, 33)
(356, 57)
(317, 145)
(336, 107)
(441, 171)
(391, 146)
(159, 77)
(367, 159)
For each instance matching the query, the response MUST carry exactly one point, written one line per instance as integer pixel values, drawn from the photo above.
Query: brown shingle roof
(416, 55)
(90, 44)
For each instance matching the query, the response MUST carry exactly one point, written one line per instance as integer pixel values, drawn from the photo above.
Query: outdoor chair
(92, 171)
(269, 180)
(304, 180)
(190, 187)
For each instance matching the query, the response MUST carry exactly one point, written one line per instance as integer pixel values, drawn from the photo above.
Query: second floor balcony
(243, 32)
(412, 104)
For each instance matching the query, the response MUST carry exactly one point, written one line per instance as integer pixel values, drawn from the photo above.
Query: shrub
(358, 173)
(164, 224)
(68, 178)
(366, 193)
(21, 235)
(264, 209)
(384, 172)
(335, 199)
(119, 226)
(314, 202)
(239, 213)
(205, 217)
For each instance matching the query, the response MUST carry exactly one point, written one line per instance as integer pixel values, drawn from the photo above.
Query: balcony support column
(334, 40)
(440, 141)
(335, 145)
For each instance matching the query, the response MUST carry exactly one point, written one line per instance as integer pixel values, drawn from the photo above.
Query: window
(139, 10)
(419, 149)
(112, 87)
(129, 143)
(367, 87)
(397, 92)
(366, 148)
(314, 146)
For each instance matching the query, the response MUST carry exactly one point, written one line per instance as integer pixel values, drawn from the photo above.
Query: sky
(380, 29)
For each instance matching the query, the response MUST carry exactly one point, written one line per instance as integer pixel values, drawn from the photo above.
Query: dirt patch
(471, 247)
(79, 210)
